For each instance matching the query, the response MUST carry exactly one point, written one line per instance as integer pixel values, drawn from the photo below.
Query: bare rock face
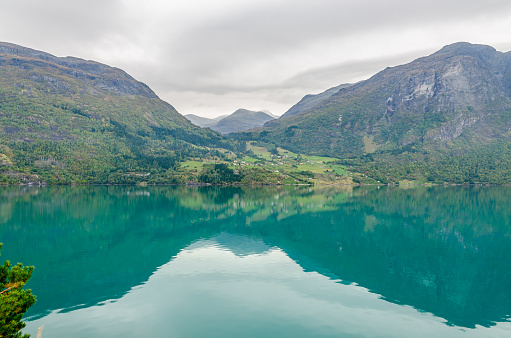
(462, 88)
(461, 82)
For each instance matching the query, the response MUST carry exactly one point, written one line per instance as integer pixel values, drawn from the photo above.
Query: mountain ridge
(120, 81)
(71, 120)
(445, 117)
(311, 100)
(203, 121)
(240, 120)
(443, 107)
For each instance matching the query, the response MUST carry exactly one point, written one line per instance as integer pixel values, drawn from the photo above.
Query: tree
(274, 151)
(218, 173)
(14, 300)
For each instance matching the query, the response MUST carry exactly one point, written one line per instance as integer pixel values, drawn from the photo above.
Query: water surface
(253, 262)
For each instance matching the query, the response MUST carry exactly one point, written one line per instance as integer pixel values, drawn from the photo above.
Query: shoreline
(200, 184)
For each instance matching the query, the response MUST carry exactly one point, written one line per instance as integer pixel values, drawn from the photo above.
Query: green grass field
(191, 165)
(288, 162)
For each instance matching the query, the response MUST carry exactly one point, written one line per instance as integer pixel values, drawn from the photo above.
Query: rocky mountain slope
(240, 120)
(72, 120)
(455, 103)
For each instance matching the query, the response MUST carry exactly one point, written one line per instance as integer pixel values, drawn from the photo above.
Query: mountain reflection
(442, 250)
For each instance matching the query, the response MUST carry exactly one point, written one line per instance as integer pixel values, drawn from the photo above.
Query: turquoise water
(263, 262)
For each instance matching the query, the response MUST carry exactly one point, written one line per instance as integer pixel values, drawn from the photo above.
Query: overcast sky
(211, 57)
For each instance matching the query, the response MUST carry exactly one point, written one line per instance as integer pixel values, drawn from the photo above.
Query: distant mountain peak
(465, 48)
(270, 113)
(242, 119)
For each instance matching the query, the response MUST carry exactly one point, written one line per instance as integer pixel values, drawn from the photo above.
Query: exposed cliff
(461, 88)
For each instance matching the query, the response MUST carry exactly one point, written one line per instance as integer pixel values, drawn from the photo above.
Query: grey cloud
(202, 56)
(55, 24)
(202, 63)
(288, 26)
(342, 72)
(314, 78)
(278, 97)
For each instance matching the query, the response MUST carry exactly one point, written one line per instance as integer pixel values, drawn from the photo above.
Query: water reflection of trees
(442, 250)
(415, 247)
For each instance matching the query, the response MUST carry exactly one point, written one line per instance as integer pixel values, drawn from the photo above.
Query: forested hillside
(68, 120)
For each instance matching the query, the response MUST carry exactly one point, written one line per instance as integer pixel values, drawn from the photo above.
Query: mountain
(270, 114)
(449, 111)
(240, 120)
(311, 100)
(64, 119)
(203, 121)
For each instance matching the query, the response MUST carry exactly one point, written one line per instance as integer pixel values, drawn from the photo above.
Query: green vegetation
(53, 142)
(62, 123)
(465, 160)
(66, 122)
(403, 150)
(292, 168)
(14, 300)
(461, 163)
(218, 173)
(410, 123)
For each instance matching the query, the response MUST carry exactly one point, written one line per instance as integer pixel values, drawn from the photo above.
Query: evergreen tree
(14, 300)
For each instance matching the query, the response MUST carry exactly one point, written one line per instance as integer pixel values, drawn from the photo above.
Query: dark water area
(270, 261)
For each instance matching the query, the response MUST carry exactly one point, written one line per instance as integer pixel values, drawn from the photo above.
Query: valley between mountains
(443, 118)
